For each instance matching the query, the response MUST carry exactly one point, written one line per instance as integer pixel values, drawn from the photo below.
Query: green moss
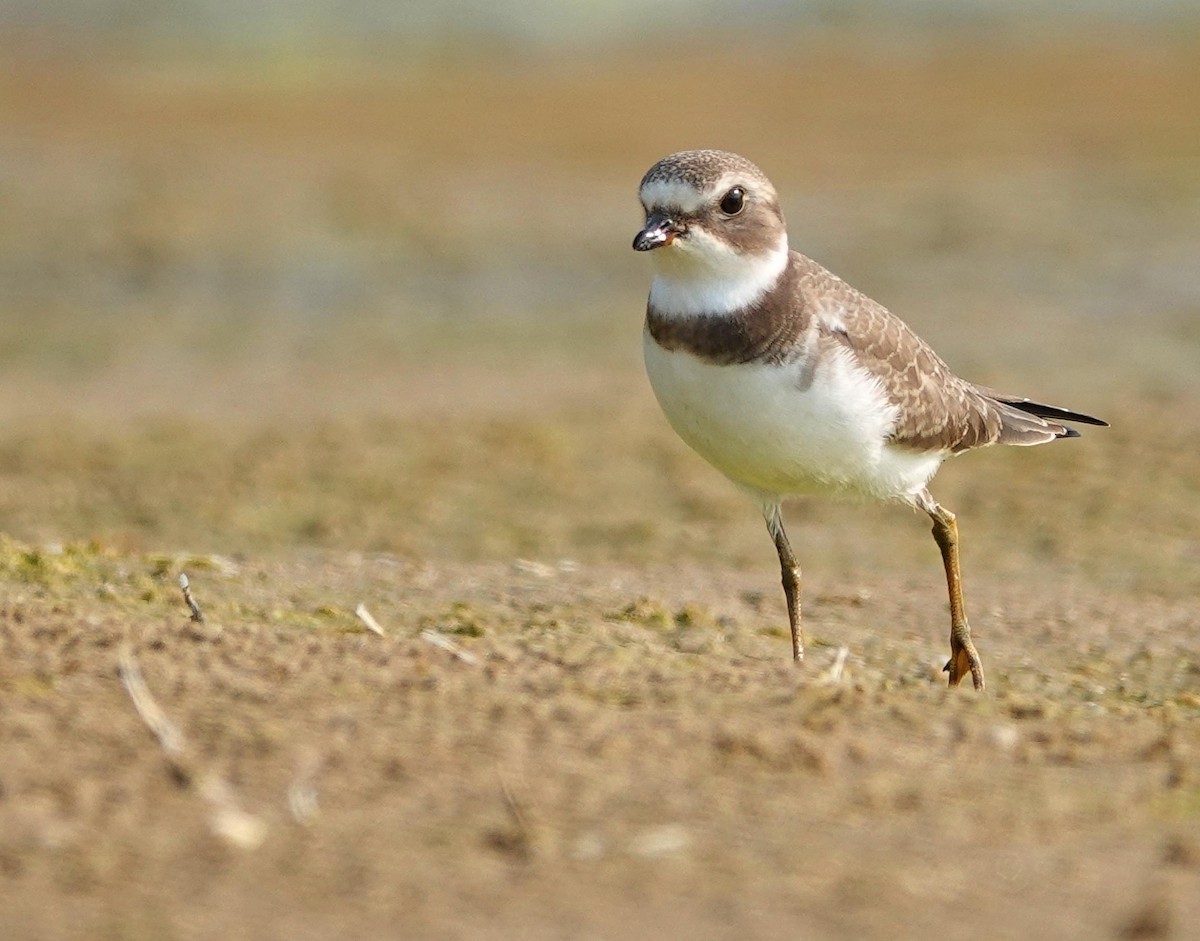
(648, 612)
(461, 618)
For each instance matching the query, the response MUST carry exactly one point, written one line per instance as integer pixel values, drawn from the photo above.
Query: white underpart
(789, 430)
(700, 274)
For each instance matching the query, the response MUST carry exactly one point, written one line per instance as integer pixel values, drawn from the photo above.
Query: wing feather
(936, 410)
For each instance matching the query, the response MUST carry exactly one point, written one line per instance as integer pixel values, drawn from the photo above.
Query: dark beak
(659, 230)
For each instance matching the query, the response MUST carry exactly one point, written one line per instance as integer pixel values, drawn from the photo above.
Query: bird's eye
(734, 201)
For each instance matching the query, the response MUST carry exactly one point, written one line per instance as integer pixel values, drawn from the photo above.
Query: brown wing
(937, 411)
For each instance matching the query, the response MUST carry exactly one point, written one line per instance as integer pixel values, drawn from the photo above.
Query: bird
(792, 383)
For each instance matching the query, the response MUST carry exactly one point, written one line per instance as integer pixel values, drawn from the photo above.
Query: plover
(792, 383)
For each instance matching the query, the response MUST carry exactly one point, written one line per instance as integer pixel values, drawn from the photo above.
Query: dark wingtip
(1069, 433)
(1054, 413)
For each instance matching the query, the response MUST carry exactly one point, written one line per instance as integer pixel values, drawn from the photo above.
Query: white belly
(781, 431)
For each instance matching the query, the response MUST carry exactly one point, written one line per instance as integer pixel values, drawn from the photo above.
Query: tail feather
(1024, 422)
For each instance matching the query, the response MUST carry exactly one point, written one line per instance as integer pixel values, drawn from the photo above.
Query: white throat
(708, 277)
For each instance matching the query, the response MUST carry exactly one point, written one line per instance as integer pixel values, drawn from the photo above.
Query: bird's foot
(964, 659)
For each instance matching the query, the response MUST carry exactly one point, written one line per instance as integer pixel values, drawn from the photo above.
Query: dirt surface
(626, 751)
(241, 344)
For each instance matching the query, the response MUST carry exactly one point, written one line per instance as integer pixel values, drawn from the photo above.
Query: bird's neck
(688, 286)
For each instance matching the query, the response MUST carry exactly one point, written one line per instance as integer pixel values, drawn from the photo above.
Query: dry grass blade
(450, 647)
(516, 838)
(837, 669)
(513, 805)
(366, 617)
(228, 820)
(157, 721)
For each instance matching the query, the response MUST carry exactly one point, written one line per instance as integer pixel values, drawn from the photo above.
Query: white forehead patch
(677, 194)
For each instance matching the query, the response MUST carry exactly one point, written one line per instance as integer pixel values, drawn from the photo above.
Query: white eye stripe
(683, 197)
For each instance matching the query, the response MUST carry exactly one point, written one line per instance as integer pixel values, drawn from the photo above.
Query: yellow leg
(790, 571)
(964, 658)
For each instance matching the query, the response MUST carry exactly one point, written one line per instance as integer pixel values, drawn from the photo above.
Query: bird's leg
(790, 570)
(964, 657)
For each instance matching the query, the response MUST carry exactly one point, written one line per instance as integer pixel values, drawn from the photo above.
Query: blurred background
(328, 303)
(358, 276)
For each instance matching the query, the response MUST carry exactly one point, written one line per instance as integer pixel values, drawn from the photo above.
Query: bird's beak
(659, 230)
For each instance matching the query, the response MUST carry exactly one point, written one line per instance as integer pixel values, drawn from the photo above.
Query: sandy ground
(241, 343)
(624, 751)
